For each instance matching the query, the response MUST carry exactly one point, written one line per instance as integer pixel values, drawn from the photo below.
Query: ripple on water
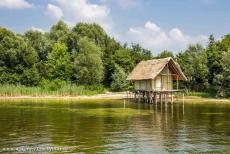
(109, 128)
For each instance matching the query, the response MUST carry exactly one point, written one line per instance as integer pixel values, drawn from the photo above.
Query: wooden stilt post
(183, 103)
(151, 97)
(166, 101)
(177, 85)
(161, 97)
(183, 98)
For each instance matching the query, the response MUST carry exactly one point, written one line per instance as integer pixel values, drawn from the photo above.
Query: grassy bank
(64, 90)
(200, 94)
(85, 92)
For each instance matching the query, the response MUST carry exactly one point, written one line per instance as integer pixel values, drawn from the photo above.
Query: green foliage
(138, 53)
(39, 42)
(214, 56)
(199, 94)
(58, 63)
(93, 32)
(30, 76)
(194, 64)
(119, 82)
(85, 55)
(52, 85)
(59, 32)
(222, 80)
(17, 56)
(65, 89)
(87, 66)
(165, 54)
(123, 58)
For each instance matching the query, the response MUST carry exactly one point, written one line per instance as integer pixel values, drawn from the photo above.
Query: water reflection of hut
(153, 79)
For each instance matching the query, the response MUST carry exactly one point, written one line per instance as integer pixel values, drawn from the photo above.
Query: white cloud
(155, 38)
(37, 29)
(54, 11)
(15, 4)
(123, 3)
(73, 11)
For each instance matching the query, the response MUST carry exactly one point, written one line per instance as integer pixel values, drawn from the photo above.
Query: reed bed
(66, 90)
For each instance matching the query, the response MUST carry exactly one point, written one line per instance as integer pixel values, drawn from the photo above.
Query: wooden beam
(168, 74)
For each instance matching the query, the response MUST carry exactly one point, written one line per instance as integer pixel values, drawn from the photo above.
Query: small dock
(155, 97)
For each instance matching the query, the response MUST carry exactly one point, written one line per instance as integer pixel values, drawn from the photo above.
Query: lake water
(108, 126)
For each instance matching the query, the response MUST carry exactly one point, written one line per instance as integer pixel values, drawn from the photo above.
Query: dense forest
(84, 55)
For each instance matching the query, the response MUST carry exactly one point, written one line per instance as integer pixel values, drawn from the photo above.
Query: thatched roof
(149, 69)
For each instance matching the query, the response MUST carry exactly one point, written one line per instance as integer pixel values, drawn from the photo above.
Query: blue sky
(155, 24)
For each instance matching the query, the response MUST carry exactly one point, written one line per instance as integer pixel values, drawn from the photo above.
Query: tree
(222, 81)
(219, 66)
(93, 32)
(214, 55)
(59, 32)
(16, 55)
(30, 76)
(138, 53)
(87, 66)
(111, 46)
(123, 58)
(225, 43)
(59, 64)
(194, 64)
(119, 82)
(165, 54)
(39, 42)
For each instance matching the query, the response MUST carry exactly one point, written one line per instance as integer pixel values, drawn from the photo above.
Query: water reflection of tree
(105, 127)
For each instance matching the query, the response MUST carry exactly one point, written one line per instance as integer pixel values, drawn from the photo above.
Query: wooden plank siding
(164, 81)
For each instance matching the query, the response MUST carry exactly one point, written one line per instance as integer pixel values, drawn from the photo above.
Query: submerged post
(177, 85)
(172, 98)
(183, 103)
(183, 98)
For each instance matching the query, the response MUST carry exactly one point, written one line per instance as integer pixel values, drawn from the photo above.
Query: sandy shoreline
(114, 95)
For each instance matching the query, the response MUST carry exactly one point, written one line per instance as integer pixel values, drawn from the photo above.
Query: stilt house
(157, 75)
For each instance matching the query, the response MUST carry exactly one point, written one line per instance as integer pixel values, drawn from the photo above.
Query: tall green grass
(199, 94)
(64, 90)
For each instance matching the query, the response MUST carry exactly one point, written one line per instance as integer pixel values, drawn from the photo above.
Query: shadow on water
(116, 126)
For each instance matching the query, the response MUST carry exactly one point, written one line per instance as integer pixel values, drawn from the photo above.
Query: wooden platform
(154, 97)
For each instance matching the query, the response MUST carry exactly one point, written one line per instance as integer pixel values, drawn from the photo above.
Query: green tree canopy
(58, 63)
(93, 32)
(138, 53)
(39, 42)
(60, 32)
(123, 58)
(16, 55)
(222, 80)
(87, 66)
(119, 77)
(194, 64)
(165, 54)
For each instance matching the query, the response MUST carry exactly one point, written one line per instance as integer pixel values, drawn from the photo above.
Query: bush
(53, 85)
(30, 77)
(119, 82)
